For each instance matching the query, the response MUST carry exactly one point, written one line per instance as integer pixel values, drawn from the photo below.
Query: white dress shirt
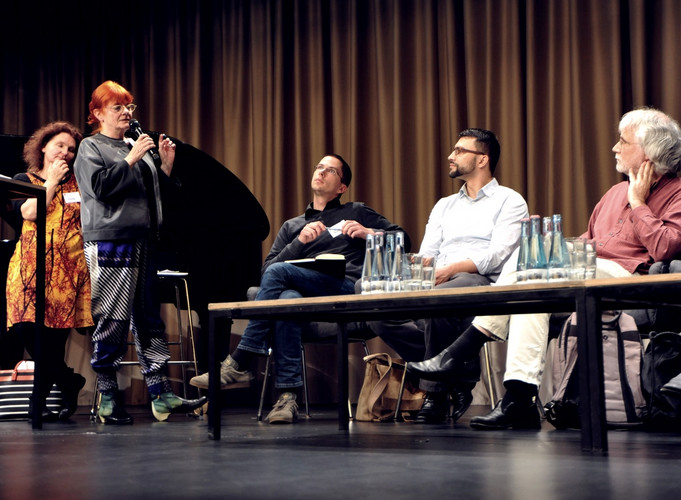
(485, 230)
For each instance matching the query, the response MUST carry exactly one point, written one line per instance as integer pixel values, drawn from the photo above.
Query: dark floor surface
(313, 459)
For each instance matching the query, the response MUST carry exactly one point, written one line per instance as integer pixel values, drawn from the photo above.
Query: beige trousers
(527, 334)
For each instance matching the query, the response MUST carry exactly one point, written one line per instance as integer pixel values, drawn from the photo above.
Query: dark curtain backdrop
(268, 87)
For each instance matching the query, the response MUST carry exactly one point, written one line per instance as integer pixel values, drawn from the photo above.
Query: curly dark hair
(33, 149)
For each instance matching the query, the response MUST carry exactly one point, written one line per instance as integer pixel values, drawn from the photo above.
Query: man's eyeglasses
(118, 108)
(323, 168)
(459, 151)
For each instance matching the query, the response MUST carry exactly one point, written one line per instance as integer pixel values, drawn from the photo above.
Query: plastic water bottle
(389, 256)
(395, 281)
(537, 262)
(547, 234)
(378, 272)
(524, 253)
(559, 259)
(368, 264)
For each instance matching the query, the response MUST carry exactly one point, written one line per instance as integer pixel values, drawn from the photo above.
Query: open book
(329, 263)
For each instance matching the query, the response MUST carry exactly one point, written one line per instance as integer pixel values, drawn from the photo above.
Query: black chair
(315, 333)
(665, 318)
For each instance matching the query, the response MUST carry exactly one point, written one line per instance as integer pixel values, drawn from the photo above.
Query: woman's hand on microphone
(143, 144)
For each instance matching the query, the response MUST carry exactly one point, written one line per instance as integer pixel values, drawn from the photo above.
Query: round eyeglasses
(118, 108)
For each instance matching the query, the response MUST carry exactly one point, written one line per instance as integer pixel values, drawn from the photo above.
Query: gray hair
(659, 136)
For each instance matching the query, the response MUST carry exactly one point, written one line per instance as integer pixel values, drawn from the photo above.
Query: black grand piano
(214, 232)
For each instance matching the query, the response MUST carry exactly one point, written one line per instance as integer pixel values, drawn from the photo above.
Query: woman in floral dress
(50, 154)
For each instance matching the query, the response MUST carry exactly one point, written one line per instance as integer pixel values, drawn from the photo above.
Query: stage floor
(312, 459)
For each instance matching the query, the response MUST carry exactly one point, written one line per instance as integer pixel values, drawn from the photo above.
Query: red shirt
(637, 238)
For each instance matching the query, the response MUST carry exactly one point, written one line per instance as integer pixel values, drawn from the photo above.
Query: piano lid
(216, 230)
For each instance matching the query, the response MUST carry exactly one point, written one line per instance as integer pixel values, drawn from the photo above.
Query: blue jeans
(287, 281)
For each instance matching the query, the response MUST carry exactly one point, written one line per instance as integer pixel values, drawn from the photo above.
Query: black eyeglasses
(458, 151)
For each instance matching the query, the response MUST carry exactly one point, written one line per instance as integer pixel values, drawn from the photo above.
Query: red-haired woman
(121, 213)
(49, 154)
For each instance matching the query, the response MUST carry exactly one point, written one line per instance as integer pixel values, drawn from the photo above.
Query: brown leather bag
(384, 382)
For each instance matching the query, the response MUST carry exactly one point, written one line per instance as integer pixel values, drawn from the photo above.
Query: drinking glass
(413, 271)
(590, 260)
(427, 273)
(577, 250)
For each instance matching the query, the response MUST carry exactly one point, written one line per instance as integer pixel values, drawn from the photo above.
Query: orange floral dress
(67, 281)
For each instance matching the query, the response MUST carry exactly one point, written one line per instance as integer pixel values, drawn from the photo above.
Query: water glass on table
(427, 273)
(413, 272)
(577, 251)
(590, 259)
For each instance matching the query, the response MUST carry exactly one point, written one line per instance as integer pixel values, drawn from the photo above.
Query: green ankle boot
(166, 404)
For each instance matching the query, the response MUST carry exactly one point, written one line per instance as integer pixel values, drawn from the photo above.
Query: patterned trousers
(124, 299)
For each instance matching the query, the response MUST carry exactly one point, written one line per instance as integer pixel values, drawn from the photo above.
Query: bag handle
(382, 383)
(22, 366)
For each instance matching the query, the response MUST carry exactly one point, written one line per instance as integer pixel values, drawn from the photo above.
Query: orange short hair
(108, 92)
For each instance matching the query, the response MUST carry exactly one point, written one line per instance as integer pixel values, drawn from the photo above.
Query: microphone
(136, 131)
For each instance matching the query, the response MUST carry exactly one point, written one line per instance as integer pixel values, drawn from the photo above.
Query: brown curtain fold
(269, 87)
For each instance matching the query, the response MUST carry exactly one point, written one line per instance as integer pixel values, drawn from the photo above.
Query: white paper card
(72, 197)
(336, 229)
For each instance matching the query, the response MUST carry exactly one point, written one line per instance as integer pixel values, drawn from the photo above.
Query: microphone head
(135, 128)
(135, 131)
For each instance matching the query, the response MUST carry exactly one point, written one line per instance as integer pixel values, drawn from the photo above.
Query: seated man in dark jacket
(327, 226)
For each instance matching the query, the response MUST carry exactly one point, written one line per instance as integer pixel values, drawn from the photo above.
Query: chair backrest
(661, 318)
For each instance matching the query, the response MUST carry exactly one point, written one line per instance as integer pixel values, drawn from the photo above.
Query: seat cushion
(318, 331)
(323, 331)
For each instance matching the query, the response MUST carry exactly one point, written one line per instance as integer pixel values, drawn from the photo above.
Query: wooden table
(599, 295)
(587, 298)
(11, 189)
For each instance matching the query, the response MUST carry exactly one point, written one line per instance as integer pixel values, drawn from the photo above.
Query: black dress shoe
(434, 409)
(673, 387)
(69, 395)
(511, 415)
(439, 368)
(461, 401)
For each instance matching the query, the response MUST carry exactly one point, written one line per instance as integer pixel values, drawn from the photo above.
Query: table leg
(590, 371)
(343, 414)
(38, 401)
(214, 349)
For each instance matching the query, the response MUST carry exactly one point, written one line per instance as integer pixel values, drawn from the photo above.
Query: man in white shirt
(471, 234)
(637, 222)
